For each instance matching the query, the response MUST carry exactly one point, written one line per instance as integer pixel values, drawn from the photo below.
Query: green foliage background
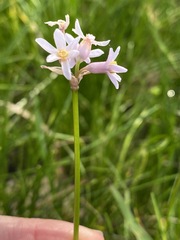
(130, 138)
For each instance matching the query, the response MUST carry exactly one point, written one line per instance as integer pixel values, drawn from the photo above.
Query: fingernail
(99, 232)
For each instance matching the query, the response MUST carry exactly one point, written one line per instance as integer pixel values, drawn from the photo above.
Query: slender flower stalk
(77, 161)
(70, 52)
(77, 164)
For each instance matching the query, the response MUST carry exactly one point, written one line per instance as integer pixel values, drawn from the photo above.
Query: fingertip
(99, 234)
(90, 234)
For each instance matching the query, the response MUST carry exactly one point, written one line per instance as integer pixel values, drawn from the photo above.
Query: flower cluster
(72, 51)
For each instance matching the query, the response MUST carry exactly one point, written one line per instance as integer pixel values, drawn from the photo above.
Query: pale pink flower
(109, 67)
(93, 53)
(87, 42)
(65, 54)
(61, 23)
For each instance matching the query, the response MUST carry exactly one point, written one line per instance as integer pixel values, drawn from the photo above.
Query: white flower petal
(95, 53)
(52, 58)
(67, 20)
(117, 68)
(110, 57)
(114, 79)
(87, 60)
(51, 23)
(73, 45)
(59, 39)
(116, 53)
(68, 37)
(73, 53)
(78, 30)
(101, 43)
(66, 69)
(113, 55)
(72, 62)
(118, 78)
(46, 45)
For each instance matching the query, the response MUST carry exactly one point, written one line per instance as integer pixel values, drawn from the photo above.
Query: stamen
(113, 62)
(63, 54)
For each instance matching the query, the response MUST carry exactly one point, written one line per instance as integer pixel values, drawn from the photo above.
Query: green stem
(77, 164)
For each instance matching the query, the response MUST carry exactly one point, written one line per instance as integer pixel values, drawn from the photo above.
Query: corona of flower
(109, 67)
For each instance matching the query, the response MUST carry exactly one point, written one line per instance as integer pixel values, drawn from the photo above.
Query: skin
(16, 228)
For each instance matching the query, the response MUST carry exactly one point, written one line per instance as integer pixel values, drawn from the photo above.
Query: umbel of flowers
(71, 51)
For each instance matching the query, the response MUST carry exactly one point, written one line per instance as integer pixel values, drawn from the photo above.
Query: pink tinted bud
(85, 48)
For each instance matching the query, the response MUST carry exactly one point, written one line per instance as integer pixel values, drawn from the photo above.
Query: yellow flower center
(63, 54)
(113, 62)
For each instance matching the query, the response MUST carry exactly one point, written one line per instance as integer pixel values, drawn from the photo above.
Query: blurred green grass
(130, 137)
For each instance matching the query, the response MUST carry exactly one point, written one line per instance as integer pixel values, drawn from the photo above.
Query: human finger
(17, 228)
